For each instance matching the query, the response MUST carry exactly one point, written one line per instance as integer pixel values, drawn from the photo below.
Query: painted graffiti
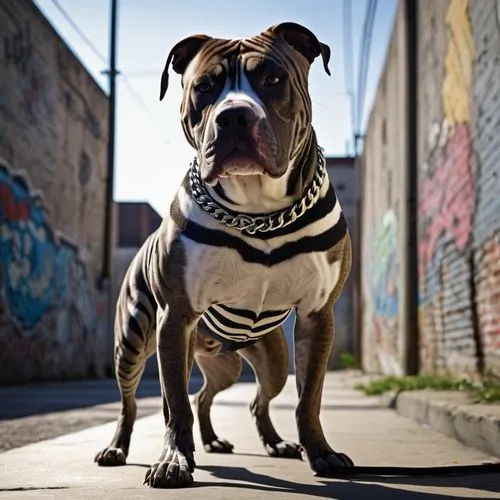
(35, 84)
(40, 272)
(384, 267)
(18, 49)
(92, 124)
(85, 168)
(446, 211)
(381, 270)
(447, 193)
(447, 198)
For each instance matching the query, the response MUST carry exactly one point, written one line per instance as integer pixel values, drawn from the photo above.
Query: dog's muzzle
(239, 142)
(234, 121)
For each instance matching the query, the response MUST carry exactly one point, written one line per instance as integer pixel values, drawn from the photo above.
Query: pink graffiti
(446, 200)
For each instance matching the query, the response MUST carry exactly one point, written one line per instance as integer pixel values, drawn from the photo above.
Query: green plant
(347, 360)
(486, 391)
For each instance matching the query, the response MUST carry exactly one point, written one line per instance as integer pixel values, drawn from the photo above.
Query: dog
(254, 232)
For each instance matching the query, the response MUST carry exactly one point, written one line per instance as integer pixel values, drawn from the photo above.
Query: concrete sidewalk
(369, 433)
(453, 414)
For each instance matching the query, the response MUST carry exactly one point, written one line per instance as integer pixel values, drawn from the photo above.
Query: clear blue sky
(151, 154)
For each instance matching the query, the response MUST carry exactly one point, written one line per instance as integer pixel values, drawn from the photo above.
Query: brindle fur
(177, 344)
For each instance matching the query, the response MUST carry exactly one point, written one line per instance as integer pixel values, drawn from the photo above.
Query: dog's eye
(204, 86)
(271, 80)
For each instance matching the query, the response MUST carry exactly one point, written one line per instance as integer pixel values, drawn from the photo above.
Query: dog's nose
(236, 118)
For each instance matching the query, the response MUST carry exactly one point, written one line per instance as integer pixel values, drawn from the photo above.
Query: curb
(451, 414)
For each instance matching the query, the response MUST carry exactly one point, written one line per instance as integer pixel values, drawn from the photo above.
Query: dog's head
(246, 107)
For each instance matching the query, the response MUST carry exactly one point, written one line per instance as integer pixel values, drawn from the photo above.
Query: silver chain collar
(252, 224)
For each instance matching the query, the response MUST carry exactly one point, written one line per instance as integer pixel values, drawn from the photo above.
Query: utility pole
(105, 283)
(410, 294)
(108, 221)
(357, 249)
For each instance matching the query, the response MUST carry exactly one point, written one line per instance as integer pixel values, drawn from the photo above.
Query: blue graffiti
(384, 268)
(34, 266)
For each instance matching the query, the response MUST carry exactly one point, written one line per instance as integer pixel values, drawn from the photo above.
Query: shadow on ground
(38, 399)
(363, 487)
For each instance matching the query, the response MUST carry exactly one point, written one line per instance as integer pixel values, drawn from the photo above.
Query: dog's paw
(110, 457)
(284, 449)
(173, 471)
(218, 445)
(331, 464)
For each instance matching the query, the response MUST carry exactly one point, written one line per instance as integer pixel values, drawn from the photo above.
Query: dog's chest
(222, 276)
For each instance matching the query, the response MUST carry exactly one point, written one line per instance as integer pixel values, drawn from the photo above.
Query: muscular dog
(254, 232)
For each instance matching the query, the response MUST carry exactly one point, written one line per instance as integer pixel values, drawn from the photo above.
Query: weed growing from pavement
(485, 391)
(347, 360)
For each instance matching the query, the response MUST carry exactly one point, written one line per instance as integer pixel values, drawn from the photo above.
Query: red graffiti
(446, 200)
(11, 208)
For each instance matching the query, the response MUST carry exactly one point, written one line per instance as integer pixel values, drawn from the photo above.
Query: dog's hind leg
(220, 372)
(134, 343)
(269, 361)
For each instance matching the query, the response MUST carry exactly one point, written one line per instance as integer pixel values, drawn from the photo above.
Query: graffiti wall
(485, 113)
(52, 188)
(458, 207)
(458, 185)
(382, 208)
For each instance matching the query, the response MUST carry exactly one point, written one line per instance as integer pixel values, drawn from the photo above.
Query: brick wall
(485, 119)
(52, 202)
(458, 202)
(458, 184)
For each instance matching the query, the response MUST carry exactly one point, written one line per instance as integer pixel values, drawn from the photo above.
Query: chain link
(252, 224)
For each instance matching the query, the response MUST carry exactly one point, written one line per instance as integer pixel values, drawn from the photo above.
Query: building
(134, 222)
(53, 170)
(342, 173)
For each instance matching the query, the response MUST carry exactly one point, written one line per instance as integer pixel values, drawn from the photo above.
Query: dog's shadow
(362, 487)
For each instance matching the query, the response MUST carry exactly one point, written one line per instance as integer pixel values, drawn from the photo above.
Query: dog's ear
(180, 56)
(303, 40)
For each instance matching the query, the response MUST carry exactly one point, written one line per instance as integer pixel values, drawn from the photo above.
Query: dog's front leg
(175, 350)
(313, 342)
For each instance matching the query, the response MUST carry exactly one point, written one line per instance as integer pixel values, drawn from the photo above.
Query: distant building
(342, 173)
(135, 222)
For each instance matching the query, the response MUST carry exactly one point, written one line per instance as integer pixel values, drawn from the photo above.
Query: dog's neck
(260, 194)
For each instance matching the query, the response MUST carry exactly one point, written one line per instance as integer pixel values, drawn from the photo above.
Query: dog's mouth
(239, 162)
(235, 162)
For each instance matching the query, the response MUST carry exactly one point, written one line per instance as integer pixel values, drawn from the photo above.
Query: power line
(83, 36)
(96, 51)
(139, 99)
(348, 57)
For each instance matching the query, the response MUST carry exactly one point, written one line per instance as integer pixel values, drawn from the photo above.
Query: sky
(152, 155)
